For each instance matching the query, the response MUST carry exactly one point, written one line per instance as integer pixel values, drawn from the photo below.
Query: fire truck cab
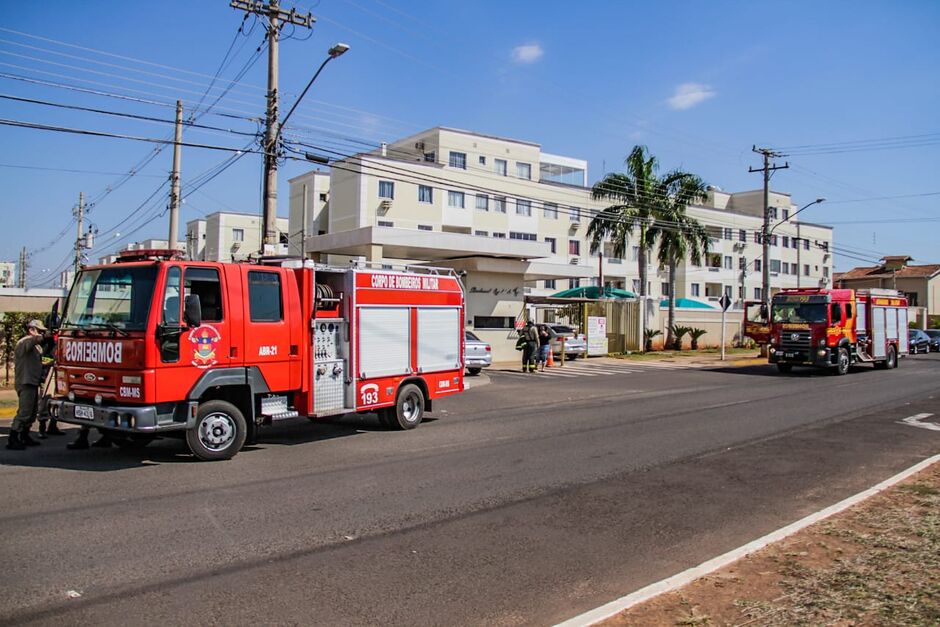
(835, 328)
(157, 346)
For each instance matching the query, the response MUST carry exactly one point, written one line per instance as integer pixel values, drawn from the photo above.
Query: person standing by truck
(27, 360)
(530, 351)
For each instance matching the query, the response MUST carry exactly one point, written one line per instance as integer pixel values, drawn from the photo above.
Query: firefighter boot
(13, 442)
(42, 429)
(80, 443)
(53, 428)
(26, 439)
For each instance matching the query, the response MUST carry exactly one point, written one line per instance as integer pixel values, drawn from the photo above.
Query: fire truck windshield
(116, 298)
(800, 313)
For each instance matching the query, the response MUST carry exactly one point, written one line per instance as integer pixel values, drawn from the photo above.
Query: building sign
(597, 335)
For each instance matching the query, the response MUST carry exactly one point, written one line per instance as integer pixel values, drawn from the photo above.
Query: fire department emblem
(795, 337)
(204, 339)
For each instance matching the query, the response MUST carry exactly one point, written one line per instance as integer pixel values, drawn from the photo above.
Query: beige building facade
(515, 220)
(229, 236)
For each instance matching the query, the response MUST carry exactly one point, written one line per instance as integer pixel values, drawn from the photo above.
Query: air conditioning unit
(419, 145)
(574, 226)
(574, 261)
(384, 206)
(738, 247)
(824, 281)
(236, 246)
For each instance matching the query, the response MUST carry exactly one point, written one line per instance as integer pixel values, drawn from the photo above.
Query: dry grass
(876, 564)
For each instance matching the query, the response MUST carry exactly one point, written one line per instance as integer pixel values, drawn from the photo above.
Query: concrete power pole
(277, 17)
(175, 179)
(79, 239)
(21, 279)
(767, 168)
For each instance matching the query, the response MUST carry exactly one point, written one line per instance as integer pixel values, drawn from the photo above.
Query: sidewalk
(698, 358)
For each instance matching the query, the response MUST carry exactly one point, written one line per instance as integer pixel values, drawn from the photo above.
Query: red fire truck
(835, 328)
(157, 346)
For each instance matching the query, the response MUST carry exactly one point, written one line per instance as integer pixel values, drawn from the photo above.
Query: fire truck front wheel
(219, 432)
(409, 408)
(842, 363)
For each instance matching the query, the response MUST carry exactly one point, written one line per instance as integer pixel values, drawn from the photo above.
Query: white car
(477, 354)
(575, 343)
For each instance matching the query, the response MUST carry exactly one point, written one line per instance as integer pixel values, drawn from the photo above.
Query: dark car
(919, 341)
(477, 353)
(934, 335)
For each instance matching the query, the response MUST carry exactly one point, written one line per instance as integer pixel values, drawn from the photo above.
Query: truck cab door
(267, 329)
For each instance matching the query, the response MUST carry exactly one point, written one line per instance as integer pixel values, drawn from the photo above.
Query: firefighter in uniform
(27, 360)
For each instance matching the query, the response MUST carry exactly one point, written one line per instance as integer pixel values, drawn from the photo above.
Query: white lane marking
(915, 421)
(675, 582)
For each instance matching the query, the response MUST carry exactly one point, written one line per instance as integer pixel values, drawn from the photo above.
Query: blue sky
(699, 83)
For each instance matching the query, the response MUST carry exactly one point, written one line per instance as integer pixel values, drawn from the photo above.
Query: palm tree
(683, 235)
(641, 200)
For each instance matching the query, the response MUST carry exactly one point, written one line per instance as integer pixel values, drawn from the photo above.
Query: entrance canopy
(594, 292)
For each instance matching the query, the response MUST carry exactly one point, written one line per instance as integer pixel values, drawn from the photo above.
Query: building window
(549, 284)
(775, 265)
(741, 292)
(728, 289)
(826, 271)
(493, 322)
(757, 237)
(758, 293)
(425, 227)
(757, 265)
(825, 246)
(499, 235)
(483, 202)
(805, 244)
(482, 233)
(529, 237)
(455, 199)
(322, 197)
(786, 214)
(728, 262)
(430, 157)
(773, 240)
(728, 233)
(482, 160)
(805, 269)
(773, 212)
(523, 170)
(574, 283)
(425, 193)
(386, 189)
(499, 204)
(635, 255)
(742, 263)
(665, 288)
(552, 243)
(636, 286)
(458, 160)
(499, 166)
(786, 242)
(386, 223)
(238, 235)
(713, 260)
(574, 247)
(695, 289)
(742, 235)
(786, 268)
(523, 207)
(574, 214)
(550, 210)
(264, 297)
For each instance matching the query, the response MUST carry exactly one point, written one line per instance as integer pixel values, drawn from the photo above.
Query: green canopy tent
(592, 291)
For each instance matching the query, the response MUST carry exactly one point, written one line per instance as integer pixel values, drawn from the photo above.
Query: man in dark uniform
(27, 360)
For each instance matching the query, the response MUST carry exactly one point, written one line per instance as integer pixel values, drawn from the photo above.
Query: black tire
(784, 368)
(843, 361)
(219, 432)
(132, 441)
(572, 357)
(891, 361)
(409, 408)
(474, 371)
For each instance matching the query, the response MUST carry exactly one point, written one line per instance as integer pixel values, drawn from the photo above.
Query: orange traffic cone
(550, 361)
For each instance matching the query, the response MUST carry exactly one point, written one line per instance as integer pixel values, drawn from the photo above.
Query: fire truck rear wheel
(219, 432)
(892, 360)
(842, 363)
(409, 408)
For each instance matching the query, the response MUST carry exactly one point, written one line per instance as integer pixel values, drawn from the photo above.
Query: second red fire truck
(156, 346)
(836, 328)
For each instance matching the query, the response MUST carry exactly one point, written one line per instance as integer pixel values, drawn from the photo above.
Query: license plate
(789, 355)
(82, 411)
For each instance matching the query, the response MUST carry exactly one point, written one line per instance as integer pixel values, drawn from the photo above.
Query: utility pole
(277, 17)
(21, 279)
(79, 243)
(768, 154)
(175, 179)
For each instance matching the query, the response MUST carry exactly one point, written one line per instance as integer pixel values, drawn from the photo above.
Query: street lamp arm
(334, 52)
(793, 215)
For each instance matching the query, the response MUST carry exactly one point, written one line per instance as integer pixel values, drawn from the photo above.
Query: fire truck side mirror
(763, 313)
(192, 311)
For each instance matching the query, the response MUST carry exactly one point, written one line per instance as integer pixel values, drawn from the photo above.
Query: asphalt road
(526, 501)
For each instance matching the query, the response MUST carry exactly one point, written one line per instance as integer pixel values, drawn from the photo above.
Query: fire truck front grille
(793, 341)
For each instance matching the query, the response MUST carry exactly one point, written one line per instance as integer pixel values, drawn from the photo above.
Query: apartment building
(515, 220)
(229, 236)
(147, 244)
(920, 283)
(7, 274)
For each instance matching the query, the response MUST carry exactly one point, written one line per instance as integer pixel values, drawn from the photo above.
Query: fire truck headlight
(773, 340)
(822, 342)
(71, 396)
(822, 352)
(98, 399)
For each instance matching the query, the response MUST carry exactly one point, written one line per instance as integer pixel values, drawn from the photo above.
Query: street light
(270, 153)
(798, 247)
